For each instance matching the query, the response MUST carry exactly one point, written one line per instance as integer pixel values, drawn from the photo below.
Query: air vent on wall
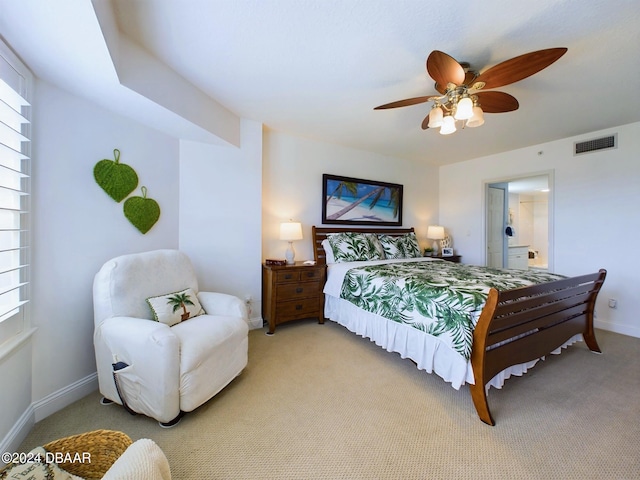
(604, 143)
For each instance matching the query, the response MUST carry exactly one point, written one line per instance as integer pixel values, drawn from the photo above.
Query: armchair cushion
(176, 307)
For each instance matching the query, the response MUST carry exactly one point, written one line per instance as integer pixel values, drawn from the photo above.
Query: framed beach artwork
(353, 201)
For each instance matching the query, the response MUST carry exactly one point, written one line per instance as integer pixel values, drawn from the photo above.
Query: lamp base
(435, 247)
(290, 254)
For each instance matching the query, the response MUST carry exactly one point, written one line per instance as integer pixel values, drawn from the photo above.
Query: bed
(468, 324)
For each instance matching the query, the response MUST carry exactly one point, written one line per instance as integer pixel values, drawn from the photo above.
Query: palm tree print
(180, 300)
(440, 298)
(352, 188)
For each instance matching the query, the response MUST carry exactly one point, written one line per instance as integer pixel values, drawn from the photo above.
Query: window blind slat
(10, 136)
(11, 97)
(7, 311)
(12, 269)
(12, 288)
(11, 115)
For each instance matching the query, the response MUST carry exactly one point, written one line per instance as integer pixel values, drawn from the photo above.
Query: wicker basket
(104, 446)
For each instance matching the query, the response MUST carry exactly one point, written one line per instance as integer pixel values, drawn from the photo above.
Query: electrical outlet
(247, 301)
(613, 303)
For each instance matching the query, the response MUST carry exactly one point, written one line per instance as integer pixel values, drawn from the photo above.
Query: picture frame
(447, 252)
(354, 201)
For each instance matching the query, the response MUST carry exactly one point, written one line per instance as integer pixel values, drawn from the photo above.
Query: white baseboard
(616, 328)
(47, 406)
(65, 396)
(18, 433)
(255, 323)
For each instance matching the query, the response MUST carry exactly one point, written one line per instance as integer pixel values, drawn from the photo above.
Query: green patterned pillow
(402, 246)
(174, 308)
(355, 247)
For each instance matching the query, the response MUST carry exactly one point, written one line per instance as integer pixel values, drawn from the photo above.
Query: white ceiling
(317, 68)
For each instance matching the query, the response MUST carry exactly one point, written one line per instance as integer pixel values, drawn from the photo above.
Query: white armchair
(171, 369)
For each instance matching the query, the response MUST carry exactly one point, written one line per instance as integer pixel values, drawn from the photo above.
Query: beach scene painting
(360, 202)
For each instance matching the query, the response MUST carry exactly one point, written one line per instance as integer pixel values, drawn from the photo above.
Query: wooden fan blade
(497, 102)
(405, 103)
(425, 123)
(469, 77)
(519, 68)
(444, 69)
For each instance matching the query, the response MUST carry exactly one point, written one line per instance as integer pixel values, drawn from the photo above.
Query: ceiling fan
(463, 94)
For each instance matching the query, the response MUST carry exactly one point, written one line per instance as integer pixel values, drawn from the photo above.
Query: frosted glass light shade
(477, 119)
(435, 117)
(464, 109)
(448, 125)
(290, 231)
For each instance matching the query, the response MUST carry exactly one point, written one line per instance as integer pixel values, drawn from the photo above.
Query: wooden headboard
(320, 233)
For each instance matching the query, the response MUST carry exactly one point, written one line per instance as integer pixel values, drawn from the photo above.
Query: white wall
(595, 201)
(77, 226)
(292, 183)
(220, 214)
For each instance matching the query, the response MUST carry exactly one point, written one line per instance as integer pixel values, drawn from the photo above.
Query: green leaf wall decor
(142, 212)
(115, 178)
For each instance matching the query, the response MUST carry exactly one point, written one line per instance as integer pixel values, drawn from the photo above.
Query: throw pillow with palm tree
(175, 307)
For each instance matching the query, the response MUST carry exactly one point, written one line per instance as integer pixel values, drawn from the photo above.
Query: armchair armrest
(216, 303)
(152, 351)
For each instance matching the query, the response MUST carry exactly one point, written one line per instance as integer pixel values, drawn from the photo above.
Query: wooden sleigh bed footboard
(523, 324)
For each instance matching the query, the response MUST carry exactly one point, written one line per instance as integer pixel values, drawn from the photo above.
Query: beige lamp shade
(435, 232)
(290, 231)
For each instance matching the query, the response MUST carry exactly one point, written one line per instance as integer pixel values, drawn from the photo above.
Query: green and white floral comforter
(441, 298)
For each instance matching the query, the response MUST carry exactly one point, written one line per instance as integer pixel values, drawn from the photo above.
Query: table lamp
(435, 233)
(290, 231)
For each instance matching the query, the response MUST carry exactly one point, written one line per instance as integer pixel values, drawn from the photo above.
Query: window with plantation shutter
(15, 151)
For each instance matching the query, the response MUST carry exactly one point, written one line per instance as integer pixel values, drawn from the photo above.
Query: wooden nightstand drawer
(285, 276)
(297, 290)
(302, 308)
(297, 275)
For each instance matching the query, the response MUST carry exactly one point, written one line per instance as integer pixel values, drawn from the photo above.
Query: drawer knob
(298, 307)
(288, 276)
(299, 290)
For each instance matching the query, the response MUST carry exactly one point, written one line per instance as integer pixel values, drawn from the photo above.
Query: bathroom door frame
(550, 212)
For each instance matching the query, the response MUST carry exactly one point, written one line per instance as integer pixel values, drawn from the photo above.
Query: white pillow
(173, 308)
(328, 251)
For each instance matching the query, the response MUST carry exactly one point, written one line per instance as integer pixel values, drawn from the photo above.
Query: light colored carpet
(319, 402)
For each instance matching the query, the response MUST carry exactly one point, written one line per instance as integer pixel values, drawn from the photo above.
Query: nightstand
(292, 292)
(449, 258)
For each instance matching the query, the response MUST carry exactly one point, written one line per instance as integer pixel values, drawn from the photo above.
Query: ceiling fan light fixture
(435, 117)
(477, 119)
(448, 125)
(464, 109)
(462, 90)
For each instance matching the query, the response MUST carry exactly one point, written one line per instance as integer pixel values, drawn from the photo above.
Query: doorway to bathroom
(518, 222)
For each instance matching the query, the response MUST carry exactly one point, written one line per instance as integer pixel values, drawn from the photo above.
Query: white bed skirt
(425, 350)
